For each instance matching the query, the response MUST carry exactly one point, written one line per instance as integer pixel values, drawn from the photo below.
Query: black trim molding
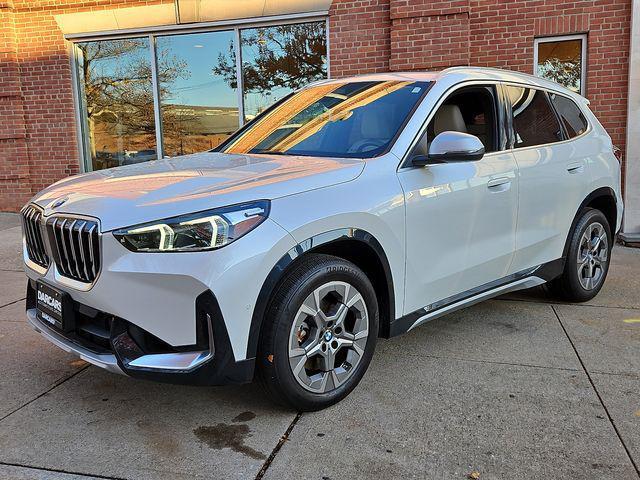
(547, 272)
(303, 247)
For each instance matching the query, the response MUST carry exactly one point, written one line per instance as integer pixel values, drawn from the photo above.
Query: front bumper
(156, 291)
(107, 361)
(213, 365)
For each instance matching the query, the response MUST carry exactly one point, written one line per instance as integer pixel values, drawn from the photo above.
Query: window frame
(562, 125)
(511, 137)
(161, 31)
(562, 38)
(503, 126)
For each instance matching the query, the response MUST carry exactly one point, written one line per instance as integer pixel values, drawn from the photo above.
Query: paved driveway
(517, 387)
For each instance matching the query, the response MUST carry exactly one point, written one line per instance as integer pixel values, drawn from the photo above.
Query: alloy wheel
(328, 337)
(593, 255)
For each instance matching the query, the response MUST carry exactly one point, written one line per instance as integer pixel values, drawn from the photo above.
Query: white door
(552, 175)
(460, 217)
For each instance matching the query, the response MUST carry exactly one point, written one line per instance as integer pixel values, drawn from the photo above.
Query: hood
(138, 193)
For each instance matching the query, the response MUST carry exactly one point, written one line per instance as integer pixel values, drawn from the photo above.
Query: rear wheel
(320, 333)
(587, 260)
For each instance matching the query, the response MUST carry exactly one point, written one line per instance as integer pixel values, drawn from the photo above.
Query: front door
(460, 217)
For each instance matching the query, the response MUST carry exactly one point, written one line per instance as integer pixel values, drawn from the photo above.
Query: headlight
(195, 232)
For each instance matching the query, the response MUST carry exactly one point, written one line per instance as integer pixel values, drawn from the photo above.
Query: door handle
(575, 167)
(500, 184)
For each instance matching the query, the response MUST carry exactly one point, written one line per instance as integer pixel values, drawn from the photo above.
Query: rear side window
(534, 121)
(570, 114)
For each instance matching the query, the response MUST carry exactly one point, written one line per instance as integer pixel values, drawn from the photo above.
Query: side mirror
(449, 147)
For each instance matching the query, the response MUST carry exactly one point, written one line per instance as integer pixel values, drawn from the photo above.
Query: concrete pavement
(517, 387)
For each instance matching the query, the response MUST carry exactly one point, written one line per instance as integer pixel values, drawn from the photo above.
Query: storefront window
(115, 79)
(199, 108)
(278, 60)
(195, 95)
(562, 59)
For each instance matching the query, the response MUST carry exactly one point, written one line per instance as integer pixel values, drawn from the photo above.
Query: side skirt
(518, 281)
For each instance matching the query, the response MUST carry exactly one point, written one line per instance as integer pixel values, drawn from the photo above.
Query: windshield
(354, 119)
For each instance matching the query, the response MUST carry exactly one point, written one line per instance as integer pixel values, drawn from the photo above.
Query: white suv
(350, 210)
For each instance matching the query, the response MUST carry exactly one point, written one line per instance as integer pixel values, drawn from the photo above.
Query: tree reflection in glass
(561, 61)
(115, 78)
(199, 109)
(275, 61)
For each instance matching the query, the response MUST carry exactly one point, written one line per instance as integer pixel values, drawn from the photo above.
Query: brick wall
(359, 37)
(14, 158)
(433, 34)
(38, 144)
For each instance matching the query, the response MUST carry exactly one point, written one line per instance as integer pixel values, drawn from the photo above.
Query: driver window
(468, 110)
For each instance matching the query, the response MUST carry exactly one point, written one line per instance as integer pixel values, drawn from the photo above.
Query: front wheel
(587, 260)
(319, 334)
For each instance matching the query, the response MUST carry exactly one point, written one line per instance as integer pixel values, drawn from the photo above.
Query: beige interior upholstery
(449, 118)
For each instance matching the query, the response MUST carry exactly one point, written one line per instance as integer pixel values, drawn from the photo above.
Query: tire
(297, 350)
(585, 269)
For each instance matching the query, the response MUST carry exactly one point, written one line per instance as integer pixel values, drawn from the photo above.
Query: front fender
(308, 245)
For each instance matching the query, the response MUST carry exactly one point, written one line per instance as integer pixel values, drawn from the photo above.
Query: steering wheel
(365, 145)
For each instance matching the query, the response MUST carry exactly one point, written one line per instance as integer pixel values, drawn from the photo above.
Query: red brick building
(62, 63)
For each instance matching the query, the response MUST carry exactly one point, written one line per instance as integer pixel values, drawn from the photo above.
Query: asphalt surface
(517, 387)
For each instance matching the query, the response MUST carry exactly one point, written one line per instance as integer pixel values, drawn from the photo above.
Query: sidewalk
(517, 387)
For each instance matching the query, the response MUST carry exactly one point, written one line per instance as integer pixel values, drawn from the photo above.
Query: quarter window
(572, 117)
(534, 122)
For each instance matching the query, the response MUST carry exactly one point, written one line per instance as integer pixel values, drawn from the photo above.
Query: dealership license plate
(50, 304)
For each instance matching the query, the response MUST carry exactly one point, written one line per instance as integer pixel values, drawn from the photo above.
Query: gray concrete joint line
(561, 304)
(276, 449)
(42, 394)
(615, 428)
(55, 470)
(492, 362)
(11, 303)
(630, 376)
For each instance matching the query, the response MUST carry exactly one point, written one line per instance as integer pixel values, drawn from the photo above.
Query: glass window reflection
(199, 106)
(277, 60)
(561, 62)
(118, 114)
(356, 119)
(196, 83)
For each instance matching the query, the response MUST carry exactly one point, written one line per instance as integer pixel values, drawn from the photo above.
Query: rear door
(460, 217)
(553, 176)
